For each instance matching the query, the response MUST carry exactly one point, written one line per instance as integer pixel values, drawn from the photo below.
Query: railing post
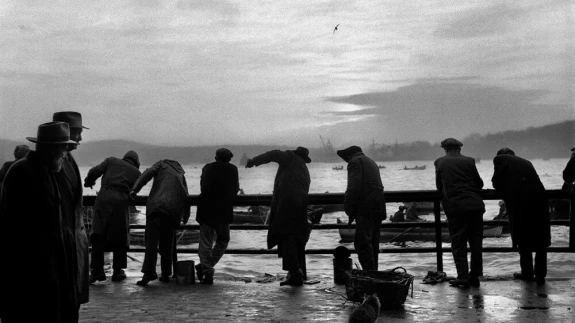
(571, 221)
(438, 247)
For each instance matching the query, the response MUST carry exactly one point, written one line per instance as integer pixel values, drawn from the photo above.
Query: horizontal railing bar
(330, 251)
(428, 224)
(337, 198)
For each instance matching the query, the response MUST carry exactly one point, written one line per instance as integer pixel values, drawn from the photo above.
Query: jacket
(364, 193)
(525, 199)
(458, 181)
(219, 186)
(169, 193)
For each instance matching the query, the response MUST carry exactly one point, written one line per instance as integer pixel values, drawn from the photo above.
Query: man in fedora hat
(459, 183)
(72, 172)
(288, 224)
(38, 252)
(517, 181)
(19, 152)
(219, 186)
(111, 221)
(364, 203)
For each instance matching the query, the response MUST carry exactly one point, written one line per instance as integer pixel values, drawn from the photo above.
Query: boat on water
(380, 166)
(415, 233)
(337, 168)
(422, 167)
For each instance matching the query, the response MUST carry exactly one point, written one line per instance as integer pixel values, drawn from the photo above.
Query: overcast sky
(197, 72)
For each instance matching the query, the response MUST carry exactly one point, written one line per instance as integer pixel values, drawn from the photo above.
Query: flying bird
(335, 28)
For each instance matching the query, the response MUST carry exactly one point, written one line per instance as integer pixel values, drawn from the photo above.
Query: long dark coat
(111, 210)
(364, 193)
(37, 247)
(569, 171)
(525, 198)
(169, 193)
(288, 214)
(219, 187)
(82, 264)
(458, 180)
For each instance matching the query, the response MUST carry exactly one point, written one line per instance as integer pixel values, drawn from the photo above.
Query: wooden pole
(436, 212)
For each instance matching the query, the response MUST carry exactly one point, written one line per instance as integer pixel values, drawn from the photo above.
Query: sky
(196, 72)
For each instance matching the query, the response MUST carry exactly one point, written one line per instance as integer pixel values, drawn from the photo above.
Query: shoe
(165, 278)
(208, 280)
(293, 279)
(474, 282)
(97, 277)
(540, 280)
(522, 276)
(458, 282)
(118, 275)
(199, 272)
(146, 279)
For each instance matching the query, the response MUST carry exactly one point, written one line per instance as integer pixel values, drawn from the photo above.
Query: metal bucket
(340, 266)
(185, 272)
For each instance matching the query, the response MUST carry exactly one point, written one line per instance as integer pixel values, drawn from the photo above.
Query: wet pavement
(499, 299)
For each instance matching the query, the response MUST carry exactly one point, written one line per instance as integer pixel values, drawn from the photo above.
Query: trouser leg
(475, 236)
(457, 232)
(205, 251)
(363, 242)
(293, 248)
(97, 255)
(166, 245)
(222, 241)
(152, 239)
(541, 263)
(375, 240)
(120, 260)
(526, 261)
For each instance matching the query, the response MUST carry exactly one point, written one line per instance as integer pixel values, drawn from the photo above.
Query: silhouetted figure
(288, 224)
(219, 187)
(111, 219)
(398, 216)
(411, 213)
(19, 152)
(459, 183)
(569, 171)
(72, 174)
(525, 199)
(167, 206)
(364, 203)
(502, 215)
(38, 250)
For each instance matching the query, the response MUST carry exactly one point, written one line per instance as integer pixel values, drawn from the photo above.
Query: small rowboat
(416, 233)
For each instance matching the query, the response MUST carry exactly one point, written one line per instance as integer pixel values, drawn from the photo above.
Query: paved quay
(499, 299)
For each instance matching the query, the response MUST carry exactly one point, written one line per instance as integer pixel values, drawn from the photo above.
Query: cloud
(435, 110)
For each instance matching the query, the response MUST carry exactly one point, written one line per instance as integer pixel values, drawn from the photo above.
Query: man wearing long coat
(458, 181)
(365, 203)
(74, 180)
(38, 250)
(111, 220)
(219, 186)
(525, 198)
(288, 223)
(167, 206)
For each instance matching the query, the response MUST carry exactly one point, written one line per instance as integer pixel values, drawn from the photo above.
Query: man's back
(219, 187)
(459, 182)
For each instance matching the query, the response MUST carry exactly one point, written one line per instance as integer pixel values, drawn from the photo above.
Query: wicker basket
(391, 286)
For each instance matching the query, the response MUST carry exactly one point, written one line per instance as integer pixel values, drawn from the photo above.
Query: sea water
(259, 180)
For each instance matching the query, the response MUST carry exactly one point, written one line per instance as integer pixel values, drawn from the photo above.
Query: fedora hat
(54, 132)
(349, 151)
(74, 119)
(303, 153)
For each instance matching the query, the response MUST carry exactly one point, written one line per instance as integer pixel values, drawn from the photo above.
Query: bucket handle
(405, 271)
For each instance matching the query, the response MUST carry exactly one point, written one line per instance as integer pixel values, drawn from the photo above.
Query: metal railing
(390, 196)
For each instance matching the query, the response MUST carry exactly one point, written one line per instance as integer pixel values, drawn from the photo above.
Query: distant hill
(550, 141)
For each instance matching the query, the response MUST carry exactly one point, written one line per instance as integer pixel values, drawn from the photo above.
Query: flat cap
(451, 143)
(349, 151)
(224, 154)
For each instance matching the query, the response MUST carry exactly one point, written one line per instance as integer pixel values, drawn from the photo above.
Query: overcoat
(219, 186)
(288, 214)
(525, 198)
(111, 218)
(38, 248)
(364, 193)
(169, 193)
(457, 179)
